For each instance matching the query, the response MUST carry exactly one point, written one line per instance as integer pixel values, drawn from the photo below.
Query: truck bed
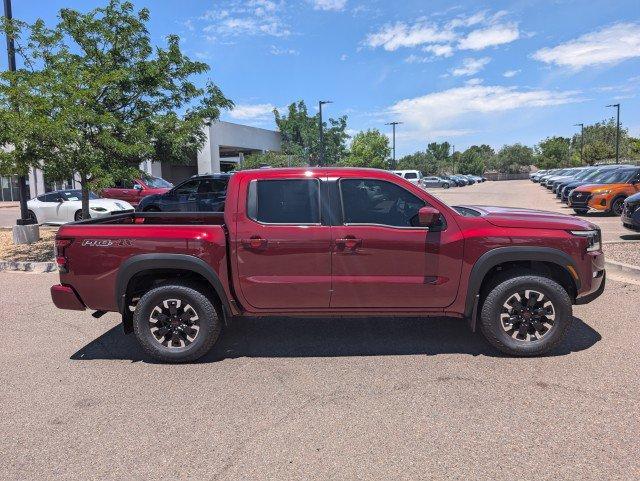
(158, 218)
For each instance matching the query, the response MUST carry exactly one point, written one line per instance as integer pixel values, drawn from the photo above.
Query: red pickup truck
(330, 242)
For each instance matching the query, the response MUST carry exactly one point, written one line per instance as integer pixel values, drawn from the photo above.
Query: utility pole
(320, 104)
(581, 140)
(617, 106)
(453, 159)
(22, 181)
(393, 125)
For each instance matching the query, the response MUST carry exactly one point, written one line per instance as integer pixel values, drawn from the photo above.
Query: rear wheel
(580, 211)
(77, 216)
(176, 323)
(32, 216)
(446, 186)
(526, 315)
(151, 208)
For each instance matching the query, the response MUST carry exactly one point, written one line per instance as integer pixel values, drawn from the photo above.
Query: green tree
(513, 158)
(600, 142)
(424, 161)
(114, 99)
(301, 138)
(368, 149)
(473, 160)
(553, 152)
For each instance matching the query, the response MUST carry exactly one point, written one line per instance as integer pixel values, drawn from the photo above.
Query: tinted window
(411, 175)
(124, 184)
(367, 201)
(189, 187)
(157, 183)
(209, 186)
(285, 201)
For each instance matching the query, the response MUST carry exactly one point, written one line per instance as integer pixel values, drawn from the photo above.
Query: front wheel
(445, 186)
(526, 315)
(176, 323)
(617, 206)
(580, 211)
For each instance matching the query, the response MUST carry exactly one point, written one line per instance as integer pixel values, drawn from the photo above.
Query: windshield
(71, 195)
(618, 176)
(157, 183)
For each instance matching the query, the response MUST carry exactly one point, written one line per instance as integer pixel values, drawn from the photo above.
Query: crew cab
(133, 191)
(330, 242)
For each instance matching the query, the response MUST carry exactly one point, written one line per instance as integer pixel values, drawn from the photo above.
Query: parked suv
(609, 195)
(413, 176)
(631, 213)
(202, 193)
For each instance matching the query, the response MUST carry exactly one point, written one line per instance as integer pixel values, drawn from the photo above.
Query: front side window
(189, 187)
(284, 201)
(368, 201)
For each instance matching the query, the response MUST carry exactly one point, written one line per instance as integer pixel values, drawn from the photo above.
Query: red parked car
(133, 191)
(331, 242)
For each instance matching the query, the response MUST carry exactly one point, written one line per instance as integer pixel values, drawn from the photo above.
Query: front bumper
(631, 216)
(64, 297)
(593, 278)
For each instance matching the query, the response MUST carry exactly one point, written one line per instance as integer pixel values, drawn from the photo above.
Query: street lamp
(617, 106)
(581, 140)
(393, 124)
(320, 104)
(22, 181)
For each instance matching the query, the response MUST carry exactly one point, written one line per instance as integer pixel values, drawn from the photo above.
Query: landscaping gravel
(626, 252)
(41, 251)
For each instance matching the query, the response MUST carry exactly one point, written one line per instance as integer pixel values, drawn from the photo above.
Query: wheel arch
(167, 266)
(552, 263)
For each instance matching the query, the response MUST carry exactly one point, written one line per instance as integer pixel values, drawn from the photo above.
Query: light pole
(320, 104)
(617, 106)
(581, 140)
(22, 181)
(393, 125)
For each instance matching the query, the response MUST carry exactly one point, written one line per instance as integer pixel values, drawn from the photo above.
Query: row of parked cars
(612, 189)
(200, 193)
(444, 181)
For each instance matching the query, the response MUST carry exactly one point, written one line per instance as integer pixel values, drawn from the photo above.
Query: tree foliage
(301, 135)
(111, 98)
(368, 149)
(553, 152)
(513, 158)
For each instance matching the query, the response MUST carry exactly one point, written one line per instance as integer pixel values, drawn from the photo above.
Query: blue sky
(467, 72)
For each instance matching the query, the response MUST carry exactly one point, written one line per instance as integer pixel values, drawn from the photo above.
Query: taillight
(60, 246)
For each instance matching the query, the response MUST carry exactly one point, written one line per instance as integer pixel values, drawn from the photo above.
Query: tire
(189, 347)
(522, 338)
(77, 216)
(32, 216)
(580, 211)
(151, 208)
(617, 205)
(445, 186)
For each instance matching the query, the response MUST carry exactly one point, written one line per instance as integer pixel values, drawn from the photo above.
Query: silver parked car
(433, 181)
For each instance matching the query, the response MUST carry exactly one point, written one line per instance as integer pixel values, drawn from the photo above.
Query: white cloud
(473, 81)
(510, 73)
(255, 17)
(470, 66)
(446, 110)
(608, 45)
(273, 50)
(440, 50)
(252, 112)
(335, 5)
(413, 58)
(490, 36)
(343, 57)
(393, 36)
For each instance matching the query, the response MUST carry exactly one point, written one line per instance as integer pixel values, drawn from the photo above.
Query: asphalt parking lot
(400, 399)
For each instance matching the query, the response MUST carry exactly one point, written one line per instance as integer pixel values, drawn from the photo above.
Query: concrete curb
(623, 269)
(36, 267)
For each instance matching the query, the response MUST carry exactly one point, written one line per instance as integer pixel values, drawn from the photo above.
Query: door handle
(254, 242)
(349, 242)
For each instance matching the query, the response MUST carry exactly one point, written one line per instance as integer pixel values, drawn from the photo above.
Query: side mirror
(137, 187)
(427, 216)
(59, 199)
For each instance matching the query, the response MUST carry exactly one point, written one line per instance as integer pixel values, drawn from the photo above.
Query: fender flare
(143, 262)
(500, 255)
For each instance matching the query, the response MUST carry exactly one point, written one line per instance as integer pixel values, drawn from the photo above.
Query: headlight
(593, 236)
(604, 192)
(98, 209)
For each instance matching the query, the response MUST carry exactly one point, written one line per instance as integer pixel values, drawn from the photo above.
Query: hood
(156, 191)
(634, 198)
(530, 218)
(598, 188)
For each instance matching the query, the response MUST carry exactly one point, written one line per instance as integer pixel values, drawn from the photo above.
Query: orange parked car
(608, 195)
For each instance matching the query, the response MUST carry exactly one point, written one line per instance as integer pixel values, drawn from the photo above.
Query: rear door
(282, 244)
(381, 257)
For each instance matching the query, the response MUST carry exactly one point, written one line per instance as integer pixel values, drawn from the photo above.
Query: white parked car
(412, 176)
(64, 206)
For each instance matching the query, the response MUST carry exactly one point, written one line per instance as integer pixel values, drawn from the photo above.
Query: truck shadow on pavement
(335, 337)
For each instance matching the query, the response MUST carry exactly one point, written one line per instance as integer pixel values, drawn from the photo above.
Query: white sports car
(64, 206)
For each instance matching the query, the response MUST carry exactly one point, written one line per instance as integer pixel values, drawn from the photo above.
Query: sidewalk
(7, 205)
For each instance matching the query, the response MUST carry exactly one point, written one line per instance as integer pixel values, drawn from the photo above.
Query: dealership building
(225, 145)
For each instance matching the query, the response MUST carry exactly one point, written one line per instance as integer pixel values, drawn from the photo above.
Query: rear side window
(368, 201)
(411, 175)
(284, 201)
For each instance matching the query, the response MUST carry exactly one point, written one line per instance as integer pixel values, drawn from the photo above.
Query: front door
(282, 246)
(382, 258)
